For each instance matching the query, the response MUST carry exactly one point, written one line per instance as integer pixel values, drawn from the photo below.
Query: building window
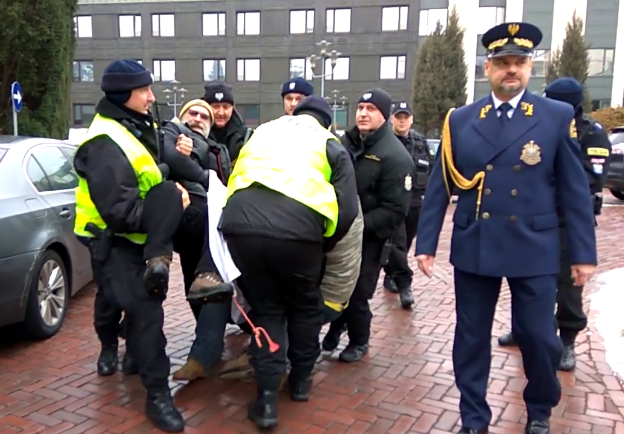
(394, 18)
(84, 26)
(489, 17)
(540, 63)
(214, 69)
(163, 25)
(301, 67)
(340, 72)
(248, 69)
(598, 104)
(338, 21)
(480, 68)
(213, 24)
(129, 26)
(164, 70)
(83, 70)
(83, 114)
(248, 23)
(250, 113)
(392, 67)
(600, 61)
(429, 19)
(341, 118)
(302, 22)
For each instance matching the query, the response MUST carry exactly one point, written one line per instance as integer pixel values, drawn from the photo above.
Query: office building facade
(258, 45)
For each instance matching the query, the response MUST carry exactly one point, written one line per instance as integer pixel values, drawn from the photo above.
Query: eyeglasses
(194, 114)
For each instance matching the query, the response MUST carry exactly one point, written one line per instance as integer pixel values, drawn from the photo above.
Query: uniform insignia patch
(598, 169)
(408, 183)
(219, 96)
(372, 157)
(484, 111)
(367, 96)
(291, 86)
(531, 154)
(598, 160)
(573, 133)
(527, 108)
(597, 152)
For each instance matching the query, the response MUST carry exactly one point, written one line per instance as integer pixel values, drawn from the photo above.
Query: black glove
(164, 170)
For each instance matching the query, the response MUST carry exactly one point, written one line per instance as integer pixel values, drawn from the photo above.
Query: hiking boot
(210, 288)
(237, 369)
(156, 277)
(389, 285)
(263, 411)
(161, 411)
(192, 370)
(129, 365)
(568, 359)
(332, 339)
(353, 353)
(300, 390)
(107, 361)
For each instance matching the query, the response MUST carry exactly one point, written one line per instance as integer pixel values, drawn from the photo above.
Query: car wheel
(48, 298)
(618, 194)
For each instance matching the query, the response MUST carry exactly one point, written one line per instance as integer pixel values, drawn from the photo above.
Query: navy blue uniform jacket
(516, 233)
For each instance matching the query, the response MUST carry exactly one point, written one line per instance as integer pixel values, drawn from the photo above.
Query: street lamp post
(324, 54)
(336, 103)
(174, 91)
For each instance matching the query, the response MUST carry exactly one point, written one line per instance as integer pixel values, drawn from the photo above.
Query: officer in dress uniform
(508, 155)
(595, 149)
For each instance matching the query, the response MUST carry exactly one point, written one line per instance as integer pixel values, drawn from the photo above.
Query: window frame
(426, 27)
(330, 71)
(307, 30)
(333, 24)
(244, 60)
(344, 109)
(160, 26)
(397, 68)
(214, 60)
(307, 68)
(79, 63)
(77, 26)
(158, 78)
(481, 21)
(81, 106)
(221, 19)
(542, 69)
(242, 111)
(606, 72)
(400, 20)
(136, 32)
(244, 30)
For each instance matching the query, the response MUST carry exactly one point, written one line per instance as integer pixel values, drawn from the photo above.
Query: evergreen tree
(440, 76)
(572, 59)
(37, 49)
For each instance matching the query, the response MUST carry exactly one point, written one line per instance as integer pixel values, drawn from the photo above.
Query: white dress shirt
(514, 103)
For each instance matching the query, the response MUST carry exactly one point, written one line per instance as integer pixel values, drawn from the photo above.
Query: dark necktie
(504, 117)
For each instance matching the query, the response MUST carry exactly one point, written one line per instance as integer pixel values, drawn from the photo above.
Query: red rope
(257, 331)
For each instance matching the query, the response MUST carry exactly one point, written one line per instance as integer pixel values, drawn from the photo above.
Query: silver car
(42, 263)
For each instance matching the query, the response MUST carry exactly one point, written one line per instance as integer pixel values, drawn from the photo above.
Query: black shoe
(568, 359)
(107, 362)
(156, 277)
(332, 339)
(507, 340)
(353, 353)
(129, 365)
(263, 411)
(389, 285)
(406, 297)
(210, 288)
(300, 390)
(161, 411)
(537, 427)
(472, 431)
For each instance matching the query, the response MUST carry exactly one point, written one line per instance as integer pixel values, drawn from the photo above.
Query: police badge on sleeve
(408, 182)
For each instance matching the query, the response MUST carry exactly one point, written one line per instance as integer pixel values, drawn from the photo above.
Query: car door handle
(65, 213)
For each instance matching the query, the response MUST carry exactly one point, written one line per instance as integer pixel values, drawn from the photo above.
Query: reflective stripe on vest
(289, 155)
(147, 172)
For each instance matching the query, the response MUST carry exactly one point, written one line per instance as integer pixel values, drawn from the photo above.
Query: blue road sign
(16, 96)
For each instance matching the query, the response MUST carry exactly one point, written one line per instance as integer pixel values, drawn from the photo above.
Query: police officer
(294, 91)
(509, 155)
(384, 171)
(291, 197)
(129, 214)
(595, 149)
(416, 145)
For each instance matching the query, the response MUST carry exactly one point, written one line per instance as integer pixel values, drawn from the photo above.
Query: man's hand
(425, 263)
(186, 201)
(184, 145)
(581, 273)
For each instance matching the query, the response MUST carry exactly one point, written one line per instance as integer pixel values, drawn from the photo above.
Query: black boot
(507, 340)
(300, 389)
(263, 411)
(161, 411)
(156, 277)
(568, 359)
(107, 362)
(129, 365)
(353, 353)
(537, 427)
(389, 285)
(472, 431)
(406, 297)
(332, 339)
(210, 288)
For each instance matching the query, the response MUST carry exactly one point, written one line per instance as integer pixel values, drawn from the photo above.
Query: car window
(617, 138)
(69, 152)
(58, 169)
(36, 175)
(2, 152)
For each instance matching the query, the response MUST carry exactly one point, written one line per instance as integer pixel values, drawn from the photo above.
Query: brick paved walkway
(404, 385)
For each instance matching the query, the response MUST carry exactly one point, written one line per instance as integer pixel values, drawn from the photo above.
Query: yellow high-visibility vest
(147, 172)
(289, 155)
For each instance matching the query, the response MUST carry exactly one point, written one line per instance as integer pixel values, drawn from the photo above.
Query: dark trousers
(162, 211)
(398, 268)
(280, 281)
(191, 242)
(532, 306)
(357, 316)
(571, 318)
